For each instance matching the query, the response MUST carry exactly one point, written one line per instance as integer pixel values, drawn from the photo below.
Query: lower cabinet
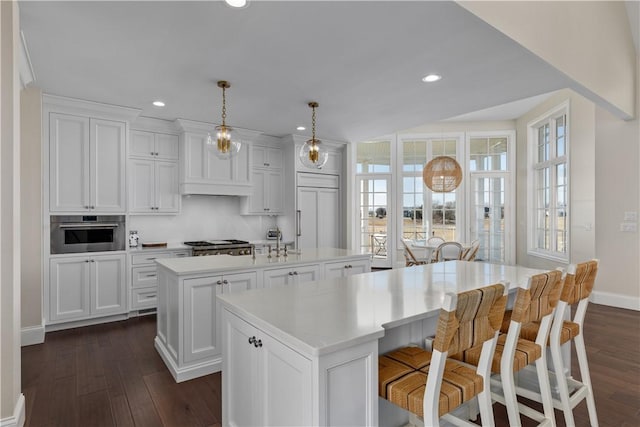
(87, 286)
(201, 316)
(333, 270)
(144, 276)
(291, 275)
(272, 384)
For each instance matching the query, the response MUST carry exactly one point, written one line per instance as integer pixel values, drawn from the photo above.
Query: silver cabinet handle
(151, 259)
(252, 340)
(295, 273)
(257, 343)
(219, 282)
(88, 225)
(226, 282)
(291, 273)
(299, 231)
(150, 275)
(151, 296)
(86, 260)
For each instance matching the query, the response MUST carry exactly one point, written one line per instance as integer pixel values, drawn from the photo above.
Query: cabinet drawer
(144, 276)
(141, 259)
(318, 181)
(144, 298)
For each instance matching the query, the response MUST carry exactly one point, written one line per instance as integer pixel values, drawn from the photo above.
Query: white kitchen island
(307, 355)
(188, 319)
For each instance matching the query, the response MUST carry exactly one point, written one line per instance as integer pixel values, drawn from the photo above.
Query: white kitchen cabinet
(86, 164)
(318, 217)
(153, 145)
(201, 313)
(144, 276)
(203, 172)
(291, 275)
(86, 286)
(153, 186)
(333, 270)
(267, 179)
(272, 384)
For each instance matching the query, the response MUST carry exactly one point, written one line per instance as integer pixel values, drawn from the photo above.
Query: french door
(375, 218)
(490, 219)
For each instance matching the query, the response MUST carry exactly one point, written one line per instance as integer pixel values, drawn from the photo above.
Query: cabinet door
(108, 285)
(242, 396)
(328, 226)
(144, 276)
(285, 384)
(69, 288)
(274, 158)
(167, 195)
(334, 270)
(194, 158)
(107, 165)
(239, 282)
(278, 277)
(142, 144)
(359, 266)
(274, 188)
(141, 185)
(199, 311)
(68, 163)
(217, 170)
(308, 217)
(257, 201)
(166, 146)
(306, 273)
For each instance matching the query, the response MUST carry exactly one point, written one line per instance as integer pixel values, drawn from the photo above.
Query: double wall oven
(87, 233)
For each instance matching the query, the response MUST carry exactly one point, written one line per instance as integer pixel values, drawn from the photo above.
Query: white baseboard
(189, 372)
(18, 418)
(32, 335)
(615, 300)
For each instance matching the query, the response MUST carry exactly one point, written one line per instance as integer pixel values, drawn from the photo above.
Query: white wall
(203, 217)
(581, 178)
(31, 207)
(11, 399)
(590, 42)
(617, 192)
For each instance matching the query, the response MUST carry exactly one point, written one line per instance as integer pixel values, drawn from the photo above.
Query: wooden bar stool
(578, 285)
(535, 302)
(431, 386)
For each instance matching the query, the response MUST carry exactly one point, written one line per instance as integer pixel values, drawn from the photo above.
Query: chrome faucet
(277, 241)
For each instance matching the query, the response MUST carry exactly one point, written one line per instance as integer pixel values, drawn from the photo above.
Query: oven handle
(84, 225)
(299, 230)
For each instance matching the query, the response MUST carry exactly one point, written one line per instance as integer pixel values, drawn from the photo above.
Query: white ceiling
(362, 61)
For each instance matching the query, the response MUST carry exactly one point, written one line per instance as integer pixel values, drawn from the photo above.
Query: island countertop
(220, 263)
(324, 316)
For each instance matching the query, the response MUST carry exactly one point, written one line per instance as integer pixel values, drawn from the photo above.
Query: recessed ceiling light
(236, 3)
(430, 78)
(301, 128)
(158, 103)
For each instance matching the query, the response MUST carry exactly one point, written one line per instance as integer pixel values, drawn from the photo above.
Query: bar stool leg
(586, 379)
(563, 389)
(545, 389)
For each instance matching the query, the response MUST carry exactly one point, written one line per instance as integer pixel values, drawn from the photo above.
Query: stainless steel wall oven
(87, 233)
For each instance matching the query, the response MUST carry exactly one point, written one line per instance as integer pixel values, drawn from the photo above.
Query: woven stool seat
(526, 353)
(569, 331)
(414, 357)
(459, 384)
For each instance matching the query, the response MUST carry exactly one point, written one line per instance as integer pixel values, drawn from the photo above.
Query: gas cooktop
(215, 243)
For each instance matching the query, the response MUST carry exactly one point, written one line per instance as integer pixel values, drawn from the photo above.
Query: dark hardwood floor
(111, 374)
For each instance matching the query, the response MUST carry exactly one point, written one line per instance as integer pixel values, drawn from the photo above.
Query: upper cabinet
(267, 176)
(153, 171)
(87, 155)
(203, 172)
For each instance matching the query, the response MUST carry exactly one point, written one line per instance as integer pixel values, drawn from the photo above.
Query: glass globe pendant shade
(225, 146)
(312, 156)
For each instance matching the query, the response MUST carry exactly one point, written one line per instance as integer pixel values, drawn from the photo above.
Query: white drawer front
(142, 277)
(144, 298)
(150, 258)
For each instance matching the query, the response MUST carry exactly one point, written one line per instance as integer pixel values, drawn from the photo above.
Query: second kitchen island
(188, 322)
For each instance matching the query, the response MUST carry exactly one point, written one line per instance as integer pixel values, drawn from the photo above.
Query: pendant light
(442, 174)
(311, 155)
(226, 147)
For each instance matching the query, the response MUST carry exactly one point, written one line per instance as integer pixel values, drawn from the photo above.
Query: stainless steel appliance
(220, 247)
(87, 233)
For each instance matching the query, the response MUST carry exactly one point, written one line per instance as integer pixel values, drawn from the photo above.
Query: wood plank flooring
(111, 375)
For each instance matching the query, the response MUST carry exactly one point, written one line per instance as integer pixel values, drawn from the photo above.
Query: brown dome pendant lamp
(442, 174)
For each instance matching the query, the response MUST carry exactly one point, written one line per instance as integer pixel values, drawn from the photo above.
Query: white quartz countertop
(218, 263)
(324, 316)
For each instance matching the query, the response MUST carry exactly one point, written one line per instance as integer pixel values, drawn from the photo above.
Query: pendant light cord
(313, 125)
(224, 106)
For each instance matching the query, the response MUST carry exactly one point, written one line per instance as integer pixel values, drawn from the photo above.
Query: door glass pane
(488, 216)
(373, 216)
(373, 157)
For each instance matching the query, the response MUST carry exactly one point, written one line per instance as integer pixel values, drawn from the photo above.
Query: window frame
(533, 167)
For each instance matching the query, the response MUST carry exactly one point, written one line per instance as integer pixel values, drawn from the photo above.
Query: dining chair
(469, 254)
(578, 285)
(535, 301)
(409, 256)
(430, 385)
(435, 241)
(448, 251)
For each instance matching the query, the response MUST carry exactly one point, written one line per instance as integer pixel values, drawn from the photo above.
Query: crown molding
(94, 109)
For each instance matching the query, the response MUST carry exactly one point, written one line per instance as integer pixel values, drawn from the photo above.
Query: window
(548, 194)
(426, 213)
